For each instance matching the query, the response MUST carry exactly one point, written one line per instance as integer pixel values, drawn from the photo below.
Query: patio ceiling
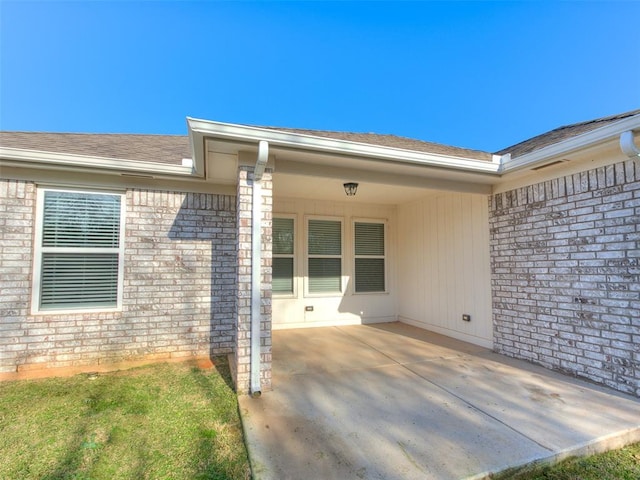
(304, 174)
(331, 189)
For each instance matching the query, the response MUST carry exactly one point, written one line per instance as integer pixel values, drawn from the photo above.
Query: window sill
(76, 311)
(278, 296)
(324, 295)
(371, 293)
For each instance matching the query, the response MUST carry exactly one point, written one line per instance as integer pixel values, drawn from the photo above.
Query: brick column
(17, 209)
(243, 328)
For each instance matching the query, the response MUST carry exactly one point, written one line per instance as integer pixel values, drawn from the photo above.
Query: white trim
(573, 144)
(326, 323)
(496, 166)
(199, 130)
(76, 178)
(299, 141)
(123, 223)
(335, 323)
(87, 161)
(38, 251)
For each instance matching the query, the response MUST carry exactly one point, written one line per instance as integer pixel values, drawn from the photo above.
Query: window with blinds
(324, 256)
(369, 251)
(283, 235)
(79, 250)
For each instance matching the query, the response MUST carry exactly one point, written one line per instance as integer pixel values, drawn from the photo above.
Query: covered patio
(410, 243)
(432, 249)
(391, 400)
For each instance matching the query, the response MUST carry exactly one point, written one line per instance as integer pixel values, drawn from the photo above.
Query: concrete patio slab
(393, 401)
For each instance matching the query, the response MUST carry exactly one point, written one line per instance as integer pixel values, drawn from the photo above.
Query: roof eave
(571, 145)
(201, 129)
(25, 157)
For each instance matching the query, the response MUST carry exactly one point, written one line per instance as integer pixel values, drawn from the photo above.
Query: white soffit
(221, 166)
(222, 162)
(300, 154)
(601, 155)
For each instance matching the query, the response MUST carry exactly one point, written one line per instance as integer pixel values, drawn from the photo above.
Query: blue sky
(478, 74)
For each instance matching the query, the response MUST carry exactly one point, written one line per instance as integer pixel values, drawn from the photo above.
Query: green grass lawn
(166, 421)
(623, 464)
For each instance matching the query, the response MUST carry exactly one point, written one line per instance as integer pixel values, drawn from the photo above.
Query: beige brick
(584, 263)
(159, 230)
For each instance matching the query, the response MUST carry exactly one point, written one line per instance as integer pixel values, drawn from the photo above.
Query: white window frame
(384, 257)
(342, 290)
(294, 256)
(38, 251)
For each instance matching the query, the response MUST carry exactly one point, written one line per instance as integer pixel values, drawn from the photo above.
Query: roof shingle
(170, 149)
(562, 133)
(393, 141)
(173, 148)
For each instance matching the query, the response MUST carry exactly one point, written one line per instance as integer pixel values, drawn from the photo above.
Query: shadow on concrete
(394, 401)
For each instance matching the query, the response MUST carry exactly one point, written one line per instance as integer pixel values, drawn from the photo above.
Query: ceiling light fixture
(350, 188)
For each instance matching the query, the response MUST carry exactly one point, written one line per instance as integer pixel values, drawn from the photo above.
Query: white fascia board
(196, 141)
(72, 160)
(570, 145)
(242, 133)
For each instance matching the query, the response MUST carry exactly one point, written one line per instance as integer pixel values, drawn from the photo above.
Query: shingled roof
(562, 133)
(393, 141)
(170, 149)
(173, 148)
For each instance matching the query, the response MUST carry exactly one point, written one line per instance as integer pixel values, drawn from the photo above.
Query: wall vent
(550, 164)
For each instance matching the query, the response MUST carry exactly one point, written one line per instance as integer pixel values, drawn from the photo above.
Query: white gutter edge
(105, 163)
(628, 146)
(277, 138)
(256, 266)
(196, 143)
(572, 144)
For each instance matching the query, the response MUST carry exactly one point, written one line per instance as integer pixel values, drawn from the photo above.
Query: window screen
(369, 257)
(325, 256)
(80, 250)
(283, 251)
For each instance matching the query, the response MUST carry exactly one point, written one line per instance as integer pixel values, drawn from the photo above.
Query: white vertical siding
(350, 308)
(443, 265)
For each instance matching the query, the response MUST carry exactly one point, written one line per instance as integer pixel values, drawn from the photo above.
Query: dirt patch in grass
(163, 421)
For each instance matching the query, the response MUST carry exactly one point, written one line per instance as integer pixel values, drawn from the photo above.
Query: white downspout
(628, 146)
(256, 262)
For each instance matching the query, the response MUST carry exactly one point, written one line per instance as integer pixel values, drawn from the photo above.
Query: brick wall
(17, 210)
(565, 258)
(180, 271)
(179, 286)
